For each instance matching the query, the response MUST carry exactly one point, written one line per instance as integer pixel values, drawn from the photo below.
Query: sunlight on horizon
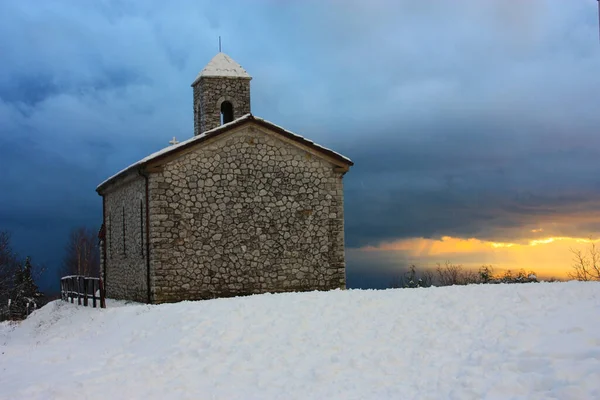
(548, 257)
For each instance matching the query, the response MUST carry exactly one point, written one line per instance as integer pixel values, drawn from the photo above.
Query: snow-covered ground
(531, 341)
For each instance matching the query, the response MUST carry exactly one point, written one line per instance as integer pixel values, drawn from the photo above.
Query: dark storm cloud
(472, 181)
(464, 118)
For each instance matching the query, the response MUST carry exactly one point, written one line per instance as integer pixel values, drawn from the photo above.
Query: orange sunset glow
(548, 257)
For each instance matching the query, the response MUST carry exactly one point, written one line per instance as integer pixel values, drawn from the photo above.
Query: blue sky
(465, 119)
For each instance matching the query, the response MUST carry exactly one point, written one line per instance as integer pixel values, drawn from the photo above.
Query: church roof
(222, 66)
(173, 149)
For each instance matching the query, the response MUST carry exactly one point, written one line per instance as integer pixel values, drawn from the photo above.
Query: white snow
(520, 341)
(171, 148)
(222, 65)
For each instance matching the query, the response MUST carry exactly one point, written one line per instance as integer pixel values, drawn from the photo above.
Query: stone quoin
(243, 207)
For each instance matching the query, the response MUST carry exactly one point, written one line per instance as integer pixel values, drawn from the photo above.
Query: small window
(226, 112)
(141, 227)
(110, 236)
(124, 243)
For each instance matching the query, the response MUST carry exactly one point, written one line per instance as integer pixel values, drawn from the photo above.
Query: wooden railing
(82, 288)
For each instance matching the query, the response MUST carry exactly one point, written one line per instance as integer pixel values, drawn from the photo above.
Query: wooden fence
(82, 288)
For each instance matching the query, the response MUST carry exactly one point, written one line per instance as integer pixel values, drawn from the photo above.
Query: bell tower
(221, 93)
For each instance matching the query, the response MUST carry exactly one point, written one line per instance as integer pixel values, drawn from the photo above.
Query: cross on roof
(173, 141)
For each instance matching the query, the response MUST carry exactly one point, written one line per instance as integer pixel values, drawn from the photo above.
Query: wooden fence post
(102, 294)
(78, 280)
(94, 285)
(71, 284)
(78, 286)
(85, 292)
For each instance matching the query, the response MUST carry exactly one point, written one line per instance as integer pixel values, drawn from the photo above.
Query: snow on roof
(223, 65)
(185, 143)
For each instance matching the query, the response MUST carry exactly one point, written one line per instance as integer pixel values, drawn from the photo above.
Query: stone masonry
(210, 92)
(248, 213)
(125, 264)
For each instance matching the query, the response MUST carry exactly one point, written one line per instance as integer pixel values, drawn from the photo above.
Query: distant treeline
(450, 274)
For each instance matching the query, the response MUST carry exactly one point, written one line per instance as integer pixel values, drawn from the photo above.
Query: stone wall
(126, 272)
(247, 213)
(210, 92)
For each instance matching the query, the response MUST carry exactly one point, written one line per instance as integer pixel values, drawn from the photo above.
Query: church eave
(120, 178)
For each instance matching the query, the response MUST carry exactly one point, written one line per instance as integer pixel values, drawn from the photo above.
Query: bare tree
(82, 255)
(586, 266)
(452, 274)
(449, 274)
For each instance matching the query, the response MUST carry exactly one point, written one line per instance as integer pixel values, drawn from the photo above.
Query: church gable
(252, 130)
(174, 151)
(246, 212)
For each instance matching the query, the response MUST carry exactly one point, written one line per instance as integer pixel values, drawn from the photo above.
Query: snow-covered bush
(413, 279)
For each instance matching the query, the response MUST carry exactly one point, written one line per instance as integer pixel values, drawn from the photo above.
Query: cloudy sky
(474, 125)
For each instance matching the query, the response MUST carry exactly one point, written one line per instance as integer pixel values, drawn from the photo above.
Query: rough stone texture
(126, 271)
(210, 92)
(249, 212)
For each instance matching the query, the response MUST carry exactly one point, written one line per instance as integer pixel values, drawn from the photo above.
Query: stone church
(242, 207)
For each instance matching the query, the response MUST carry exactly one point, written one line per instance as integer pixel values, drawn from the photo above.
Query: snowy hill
(530, 341)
